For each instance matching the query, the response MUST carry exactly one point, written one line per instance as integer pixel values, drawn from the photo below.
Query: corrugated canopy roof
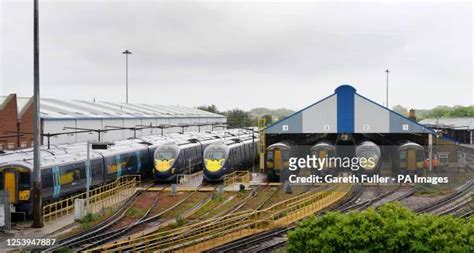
(458, 123)
(58, 109)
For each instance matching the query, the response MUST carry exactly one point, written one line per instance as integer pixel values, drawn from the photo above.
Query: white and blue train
(63, 167)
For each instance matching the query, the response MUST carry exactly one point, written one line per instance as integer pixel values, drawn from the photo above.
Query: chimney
(412, 115)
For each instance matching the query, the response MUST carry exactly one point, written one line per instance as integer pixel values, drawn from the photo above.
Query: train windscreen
(215, 155)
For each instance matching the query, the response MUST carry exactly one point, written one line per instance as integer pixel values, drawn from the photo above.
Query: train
(324, 149)
(410, 158)
(186, 156)
(277, 158)
(224, 157)
(63, 167)
(407, 156)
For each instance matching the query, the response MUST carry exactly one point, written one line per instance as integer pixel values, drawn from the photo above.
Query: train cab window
(165, 155)
(270, 155)
(285, 155)
(215, 155)
(403, 155)
(24, 179)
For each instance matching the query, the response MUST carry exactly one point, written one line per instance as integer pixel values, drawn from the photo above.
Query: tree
(238, 118)
(401, 110)
(208, 108)
(392, 228)
(268, 119)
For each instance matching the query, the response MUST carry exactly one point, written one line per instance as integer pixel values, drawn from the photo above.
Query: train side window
(96, 167)
(132, 160)
(47, 178)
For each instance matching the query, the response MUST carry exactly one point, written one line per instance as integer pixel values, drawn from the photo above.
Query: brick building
(15, 118)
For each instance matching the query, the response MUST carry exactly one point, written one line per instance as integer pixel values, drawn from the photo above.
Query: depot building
(349, 118)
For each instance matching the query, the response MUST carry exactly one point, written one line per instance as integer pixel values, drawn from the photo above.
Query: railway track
(99, 235)
(154, 218)
(449, 205)
(96, 229)
(261, 242)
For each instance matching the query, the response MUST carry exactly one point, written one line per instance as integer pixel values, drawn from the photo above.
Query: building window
(443, 157)
(24, 144)
(11, 145)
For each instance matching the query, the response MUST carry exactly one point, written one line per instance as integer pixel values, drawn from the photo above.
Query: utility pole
(386, 93)
(37, 214)
(126, 53)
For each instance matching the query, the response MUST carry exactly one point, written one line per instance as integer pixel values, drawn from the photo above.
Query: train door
(10, 184)
(411, 157)
(277, 159)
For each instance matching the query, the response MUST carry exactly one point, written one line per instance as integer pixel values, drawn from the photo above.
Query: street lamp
(37, 212)
(126, 53)
(386, 92)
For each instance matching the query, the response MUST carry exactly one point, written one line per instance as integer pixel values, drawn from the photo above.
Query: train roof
(409, 144)
(67, 153)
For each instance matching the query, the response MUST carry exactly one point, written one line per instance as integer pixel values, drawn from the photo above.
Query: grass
(135, 213)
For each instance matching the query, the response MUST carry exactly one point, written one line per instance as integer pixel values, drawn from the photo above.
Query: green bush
(391, 228)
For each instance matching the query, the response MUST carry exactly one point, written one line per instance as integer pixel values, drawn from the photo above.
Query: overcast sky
(241, 54)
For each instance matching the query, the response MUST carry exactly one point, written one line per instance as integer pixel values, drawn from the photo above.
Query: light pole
(37, 213)
(386, 92)
(126, 53)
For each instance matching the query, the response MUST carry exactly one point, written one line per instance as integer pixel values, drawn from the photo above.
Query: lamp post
(37, 213)
(126, 53)
(386, 92)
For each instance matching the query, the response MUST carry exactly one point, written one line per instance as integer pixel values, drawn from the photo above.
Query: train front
(166, 162)
(215, 157)
(16, 180)
(371, 152)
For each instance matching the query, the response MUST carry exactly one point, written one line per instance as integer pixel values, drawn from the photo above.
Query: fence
(211, 233)
(99, 197)
(237, 177)
(5, 215)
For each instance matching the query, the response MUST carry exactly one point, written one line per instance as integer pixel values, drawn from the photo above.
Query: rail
(99, 197)
(217, 231)
(237, 177)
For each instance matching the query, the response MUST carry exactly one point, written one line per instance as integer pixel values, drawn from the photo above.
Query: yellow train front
(15, 178)
(410, 158)
(277, 159)
(228, 156)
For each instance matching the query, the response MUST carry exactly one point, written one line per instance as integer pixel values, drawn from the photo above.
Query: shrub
(391, 228)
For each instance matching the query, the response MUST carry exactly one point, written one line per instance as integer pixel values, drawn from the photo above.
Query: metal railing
(99, 197)
(237, 177)
(211, 233)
